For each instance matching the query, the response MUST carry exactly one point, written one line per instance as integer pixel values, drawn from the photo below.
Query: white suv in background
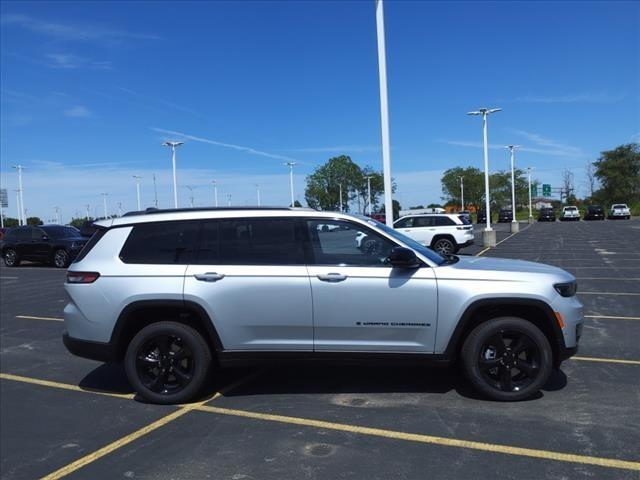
(620, 210)
(570, 213)
(444, 233)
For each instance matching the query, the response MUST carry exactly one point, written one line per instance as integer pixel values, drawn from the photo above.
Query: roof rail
(153, 210)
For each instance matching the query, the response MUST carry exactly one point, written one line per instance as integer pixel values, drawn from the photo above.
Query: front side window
(425, 221)
(444, 222)
(161, 243)
(258, 241)
(347, 244)
(404, 222)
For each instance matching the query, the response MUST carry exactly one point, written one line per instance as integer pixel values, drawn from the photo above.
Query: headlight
(566, 289)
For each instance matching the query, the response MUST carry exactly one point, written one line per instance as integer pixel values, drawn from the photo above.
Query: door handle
(209, 276)
(331, 277)
(407, 230)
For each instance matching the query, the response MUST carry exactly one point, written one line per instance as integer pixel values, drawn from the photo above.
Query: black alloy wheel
(168, 362)
(61, 259)
(11, 258)
(507, 358)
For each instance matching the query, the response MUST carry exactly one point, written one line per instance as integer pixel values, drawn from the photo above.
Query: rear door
(250, 277)
(421, 229)
(41, 243)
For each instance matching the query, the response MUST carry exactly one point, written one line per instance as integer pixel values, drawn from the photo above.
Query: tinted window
(160, 243)
(209, 245)
(261, 241)
(424, 222)
(20, 234)
(61, 232)
(444, 222)
(464, 219)
(404, 223)
(347, 244)
(95, 238)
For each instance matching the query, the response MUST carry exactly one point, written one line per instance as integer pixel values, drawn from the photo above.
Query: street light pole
(17, 190)
(384, 114)
(530, 212)
(173, 146)
(155, 191)
(369, 194)
(88, 211)
(190, 194)
(104, 203)
(515, 227)
(489, 235)
(340, 184)
(291, 165)
(215, 192)
(22, 218)
(258, 190)
(462, 193)
(119, 209)
(228, 199)
(57, 211)
(137, 178)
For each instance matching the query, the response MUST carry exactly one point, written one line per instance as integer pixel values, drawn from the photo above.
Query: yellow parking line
(127, 439)
(481, 252)
(28, 317)
(607, 360)
(610, 317)
(64, 386)
(429, 439)
(503, 240)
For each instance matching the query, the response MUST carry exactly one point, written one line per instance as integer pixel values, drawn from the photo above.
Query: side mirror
(401, 257)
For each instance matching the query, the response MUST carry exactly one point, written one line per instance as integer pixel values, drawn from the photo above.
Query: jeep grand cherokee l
(174, 293)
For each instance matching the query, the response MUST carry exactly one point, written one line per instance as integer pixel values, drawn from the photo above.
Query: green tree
(34, 221)
(618, 172)
(78, 222)
(473, 180)
(10, 222)
(395, 204)
(297, 204)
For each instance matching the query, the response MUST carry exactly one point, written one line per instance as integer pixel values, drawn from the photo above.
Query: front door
(250, 277)
(362, 304)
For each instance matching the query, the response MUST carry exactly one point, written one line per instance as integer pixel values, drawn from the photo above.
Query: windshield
(427, 252)
(570, 208)
(61, 232)
(621, 205)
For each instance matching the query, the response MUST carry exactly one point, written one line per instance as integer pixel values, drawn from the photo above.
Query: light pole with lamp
(137, 179)
(488, 235)
(173, 146)
(291, 165)
(530, 212)
(515, 226)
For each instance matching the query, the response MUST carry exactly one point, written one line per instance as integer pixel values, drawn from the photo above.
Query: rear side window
(19, 234)
(464, 219)
(95, 238)
(161, 243)
(424, 222)
(259, 241)
(444, 222)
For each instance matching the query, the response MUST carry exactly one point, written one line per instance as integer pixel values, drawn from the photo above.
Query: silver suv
(173, 293)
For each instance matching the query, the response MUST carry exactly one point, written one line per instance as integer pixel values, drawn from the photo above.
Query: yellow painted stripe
(63, 386)
(481, 252)
(429, 439)
(92, 457)
(127, 439)
(607, 360)
(503, 240)
(610, 317)
(28, 317)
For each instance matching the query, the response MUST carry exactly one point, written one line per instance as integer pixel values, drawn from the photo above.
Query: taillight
(82, 277)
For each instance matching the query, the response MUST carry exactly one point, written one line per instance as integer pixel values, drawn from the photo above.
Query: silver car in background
(175, 294)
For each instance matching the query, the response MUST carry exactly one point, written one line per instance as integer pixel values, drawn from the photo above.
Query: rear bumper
(102, 352)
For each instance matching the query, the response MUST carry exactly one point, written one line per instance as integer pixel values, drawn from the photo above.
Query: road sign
(4, 200)
(534, 190)
(546, 190)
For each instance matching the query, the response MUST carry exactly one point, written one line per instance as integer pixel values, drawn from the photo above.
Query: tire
(11, 258)
(444, 246)
(489, 363)
(60, 259)
(153, 375)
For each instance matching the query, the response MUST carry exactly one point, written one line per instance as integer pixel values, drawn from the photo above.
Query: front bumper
(465, 244)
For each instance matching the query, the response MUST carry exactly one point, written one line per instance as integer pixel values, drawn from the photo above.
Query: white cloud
(586, 97)
(70, 61)
(78, 111)
(337, 149)
(253, 151)
(73, 32)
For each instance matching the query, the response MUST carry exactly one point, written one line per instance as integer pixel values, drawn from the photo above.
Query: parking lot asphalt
(63, 416)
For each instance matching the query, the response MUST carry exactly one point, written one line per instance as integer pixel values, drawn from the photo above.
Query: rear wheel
(11, 258)
(60, 259)
(444, 246)
(507, 359)
(168, 362)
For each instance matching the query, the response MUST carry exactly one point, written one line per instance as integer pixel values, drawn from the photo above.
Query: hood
(495, 268)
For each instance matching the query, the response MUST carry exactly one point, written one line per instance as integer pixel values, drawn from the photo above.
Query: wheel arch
(447, 236)
(535, 311)
(137, 315)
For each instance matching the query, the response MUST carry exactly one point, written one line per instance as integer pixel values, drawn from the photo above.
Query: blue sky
(90, 90)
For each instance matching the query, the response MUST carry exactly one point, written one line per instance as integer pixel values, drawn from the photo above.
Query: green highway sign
(534, 190)
(546, 190)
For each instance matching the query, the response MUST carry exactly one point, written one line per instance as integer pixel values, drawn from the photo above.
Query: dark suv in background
(547, 215)
(53, 244)
(594, 212)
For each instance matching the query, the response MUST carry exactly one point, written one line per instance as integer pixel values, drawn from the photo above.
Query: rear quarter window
(93, 241)
(161, 243)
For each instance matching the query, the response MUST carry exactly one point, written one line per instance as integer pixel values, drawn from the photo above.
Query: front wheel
(168, 362)
(11, 258)
(507, 359)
